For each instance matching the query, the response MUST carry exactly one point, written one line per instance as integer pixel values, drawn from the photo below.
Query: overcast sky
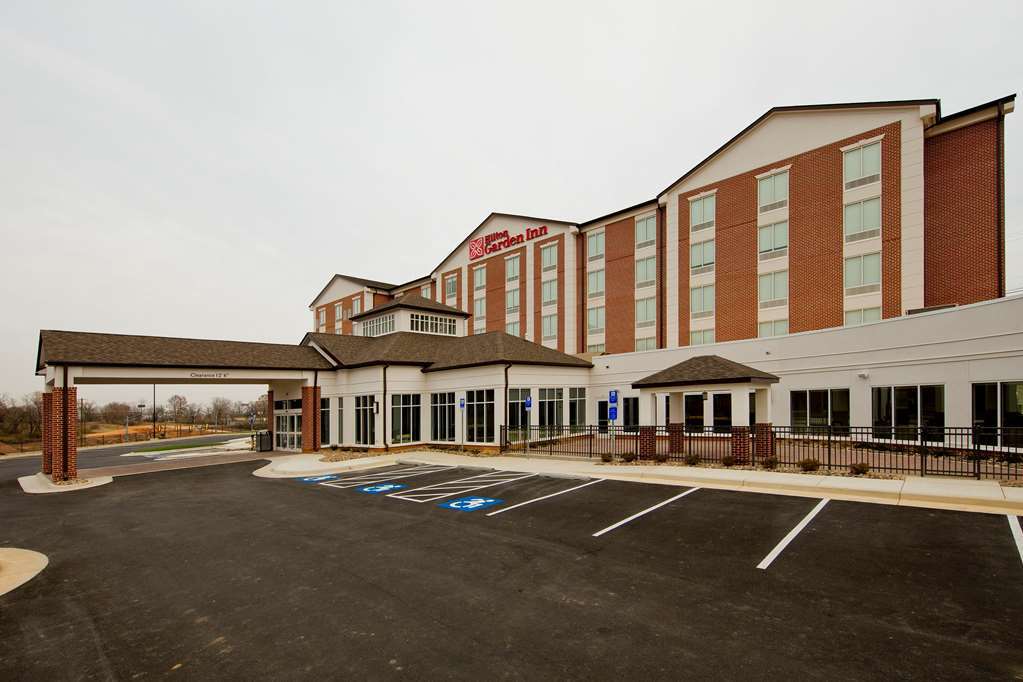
(201, 168)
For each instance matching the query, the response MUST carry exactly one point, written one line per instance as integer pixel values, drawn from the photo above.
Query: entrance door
(602, 416)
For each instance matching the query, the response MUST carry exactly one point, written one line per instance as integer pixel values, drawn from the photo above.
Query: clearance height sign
(498, 241)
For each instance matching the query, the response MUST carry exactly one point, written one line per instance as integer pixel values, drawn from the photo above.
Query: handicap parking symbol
(319, 479)
(378, 488)
(469, 504)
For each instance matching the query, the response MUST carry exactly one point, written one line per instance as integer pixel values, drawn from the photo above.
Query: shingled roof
(434, 352)
(412, 302)
(88, 348)
(704, 369)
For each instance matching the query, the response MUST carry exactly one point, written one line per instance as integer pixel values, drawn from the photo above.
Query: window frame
(863, 287)
(649, 303)
(599, 311)
(597, 236)
(651, 262)
(544, 251)
(704, 265)
(701, 202)
(776, 203)
(863, 179)
(649, 228)
(592, 292)
(703, 312)
(774, 301)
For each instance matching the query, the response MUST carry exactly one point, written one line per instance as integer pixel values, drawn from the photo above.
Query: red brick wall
(620, 286)
(683, 270)
(310, 418)
(496, 281)
(47, 429)
(963, 254)
(580, 292)
(58, 429)
(538, 289)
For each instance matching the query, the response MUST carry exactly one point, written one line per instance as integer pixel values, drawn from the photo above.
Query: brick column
(763, 441)
(310, 419)
(64, 426)
(270, 414)
(676, 438)
(647, 442)
(47, 428)
(740, 444)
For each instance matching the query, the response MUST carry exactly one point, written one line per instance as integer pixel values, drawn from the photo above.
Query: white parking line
(381, 476)
(792, 534)
(645, 511)
(545, 497)
(1017, 534)
(459, 486)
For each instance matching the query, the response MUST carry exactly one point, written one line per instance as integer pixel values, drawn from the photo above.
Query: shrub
(661, 457)
(859, 468)
(692, 459)
(770, 462)
(629, 457)
(809, 464)
(727, 460)
(606, 457)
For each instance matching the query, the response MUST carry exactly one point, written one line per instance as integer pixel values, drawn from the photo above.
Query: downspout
(506, 368)
(317, 427)
(384, 409)
(1000, 208)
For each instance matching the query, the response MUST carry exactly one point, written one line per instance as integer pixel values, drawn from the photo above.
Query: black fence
(924, 451)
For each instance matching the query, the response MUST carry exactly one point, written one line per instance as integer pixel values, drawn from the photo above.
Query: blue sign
(378, 488)
(461, 403)
(468, 504)
(319, 479)
(612, 413)
(612, 397)
(529, 402)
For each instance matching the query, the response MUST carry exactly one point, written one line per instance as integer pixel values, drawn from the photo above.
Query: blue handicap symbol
(469, 504)
(318, 479)
(378, 488)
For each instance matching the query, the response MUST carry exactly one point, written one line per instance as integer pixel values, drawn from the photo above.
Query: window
(595, 320)
(862, 220)
(321, 316)
(511, 268)
(692, 410)
(814, 409)
(774, 289)
(701, 337)
(595, 245)
(479, 416)
(576, 407)
(425, 291)
(862, 166)
(646, 312)
(479, 310)
(324, 421)
(995, 409)
(595, 348)
(646, 231)
(432, 324)
(630, 414)
(701, 257)
(405, 417)
(442, 416)
(773, 191)
(773, 240)
(479, 277)
(549, 257)
(551, 411)
(602, 419)
(701, 213)
(701, 301)
(862, 274)
(340, 421)
(518, 415)
(721, 409)
(338, 315)
(550, 326)
(378, 326)
(451, 289)
(549, 291)
(862, 316)
(648, 343)
(357, 306)
(511, 301)
(646, 272)
(595, 284)
(365, 428)
(773, 328)
(511, 328)
(909, 412)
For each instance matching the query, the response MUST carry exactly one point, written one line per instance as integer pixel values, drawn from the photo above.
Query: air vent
(776, 253)
(648, 283)
(705, 313)
(702, 226)
(775, 303)
(865, 180)
(860, 236)
(703, 269)
(776, 205)
(865, 289)
(648, 323)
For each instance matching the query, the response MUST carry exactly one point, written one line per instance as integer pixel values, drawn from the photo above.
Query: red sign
(496, 241)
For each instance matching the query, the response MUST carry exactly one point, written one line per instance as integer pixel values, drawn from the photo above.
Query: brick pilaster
(64, 426)
(676, 438)
(740, 444)
(647, 442)
(310, 419)
(47, 429)
(763, 441)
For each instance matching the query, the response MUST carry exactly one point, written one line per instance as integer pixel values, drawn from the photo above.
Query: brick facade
(963, 233)
(47, 429)
(647, 442)
(310, 419)
(620, 286)
(763, 441)
(740, 444)
(64, 434)
(538, 310)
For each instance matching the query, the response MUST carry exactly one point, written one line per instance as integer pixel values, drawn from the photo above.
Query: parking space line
(545, 497)
(460, 486)
(780, 547)
(1017, 534)
(645, 511)
(381, 476)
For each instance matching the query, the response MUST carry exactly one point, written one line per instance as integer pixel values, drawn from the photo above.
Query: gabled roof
(434, 352)
(704, 369)
(58, 347)
(412, 302)
(612, 214)
(497, 215)
(370, 283)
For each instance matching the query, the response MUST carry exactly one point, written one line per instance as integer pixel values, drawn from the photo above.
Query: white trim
(1017, 534)
(861, 143)
(780, 547)
(701, 195)
(773, 171)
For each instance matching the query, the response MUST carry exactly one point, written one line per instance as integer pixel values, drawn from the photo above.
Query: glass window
(595, 283)
(377, 326)
(862, 316)
(773, 328)
(630, 414)
(479, 277)
(648, 343)
(550, 407)
(595, 245)
(1011, 414)
(442, 416)
(549, 257)
(646, 231)
(576, 407)
(450, 289)
(692, 409)
(773, 191)
(511, 268)
(595, 320)
(908, 412)
(773, 238)
(425, 291)
(701, 256)
(323, 316)
(862, 166)
(357, 306)
(324, 421)
(646, 272)
(701, 301)
(338, 314)
(862, 273)
(646, 312)
(549, 291)
(700, 337)
(602, 420)
(701, 213)
(595, 348)
(862, 219)
(479, 416)
(479, 307)
(365, 428)
(721, 404)
(518, 415)
(405, 418)
(511, 328)
(774, 288)
(819, 408)
(998, 411)
(511, 301)
(549, 324)
(340, 421)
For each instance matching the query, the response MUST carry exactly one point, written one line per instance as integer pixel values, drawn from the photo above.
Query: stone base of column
(740, 444)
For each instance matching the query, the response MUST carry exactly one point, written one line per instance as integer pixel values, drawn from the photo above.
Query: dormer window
(378, 326)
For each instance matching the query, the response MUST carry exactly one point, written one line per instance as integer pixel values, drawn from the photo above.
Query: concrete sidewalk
(936, 493)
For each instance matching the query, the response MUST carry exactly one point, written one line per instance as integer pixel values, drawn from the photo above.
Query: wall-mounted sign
(612, 397)
(496, 241)
(209, 375)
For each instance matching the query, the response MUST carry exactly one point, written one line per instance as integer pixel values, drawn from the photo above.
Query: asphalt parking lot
(214, 572)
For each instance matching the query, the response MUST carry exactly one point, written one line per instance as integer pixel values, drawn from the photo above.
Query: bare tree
(177, 406)
(220, 410)
(115, 412)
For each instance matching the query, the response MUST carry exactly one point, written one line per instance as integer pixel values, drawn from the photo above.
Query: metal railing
(976, 452)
